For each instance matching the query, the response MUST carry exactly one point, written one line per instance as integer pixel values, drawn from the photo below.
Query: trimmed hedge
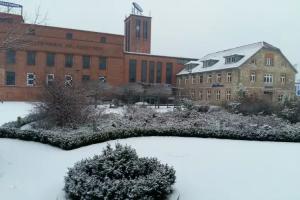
(69, 142)
(119, 174)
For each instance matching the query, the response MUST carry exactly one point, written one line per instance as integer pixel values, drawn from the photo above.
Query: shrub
(252, 106)
(63, 105)
(119, 174)
(291, 111)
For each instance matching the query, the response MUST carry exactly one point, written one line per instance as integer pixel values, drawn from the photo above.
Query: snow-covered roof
(246, 52)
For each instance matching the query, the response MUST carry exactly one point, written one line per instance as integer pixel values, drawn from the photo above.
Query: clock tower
(138, 33)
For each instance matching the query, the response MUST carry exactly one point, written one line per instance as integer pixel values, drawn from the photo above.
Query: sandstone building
(259, 70)
(40, 54)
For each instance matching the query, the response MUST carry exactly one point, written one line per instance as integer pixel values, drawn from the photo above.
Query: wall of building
(277, 88)
(241, 81)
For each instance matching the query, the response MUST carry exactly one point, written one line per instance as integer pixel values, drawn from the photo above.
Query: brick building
(258, 69)
(41, 54)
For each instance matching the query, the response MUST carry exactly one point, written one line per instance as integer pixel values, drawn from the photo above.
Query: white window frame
(209, 78)
(68, 82)
(218, 95)
(283, 79)
(208, 94)
(253, 77)
(268, 78)
(228, 95)
(229, 77)
(33, 79)
(219, 78)
(269, 61)
(194, 79)
(47, 78)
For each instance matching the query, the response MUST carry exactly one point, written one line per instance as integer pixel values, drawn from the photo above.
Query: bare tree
(15, 33)
(63, 105)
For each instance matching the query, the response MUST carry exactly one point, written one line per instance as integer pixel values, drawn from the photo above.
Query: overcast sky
(189, 28)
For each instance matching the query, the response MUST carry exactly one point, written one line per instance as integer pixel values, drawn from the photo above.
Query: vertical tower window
(158, 72)
(169, 73)
(228, 95)
(209, 78)
(283, 79)
(132, 71)
(269, 60)
(208, 95)
(144, 71)
(218, 95)
(138, 28)
(219, 78)
(145, 29)
(151, 72)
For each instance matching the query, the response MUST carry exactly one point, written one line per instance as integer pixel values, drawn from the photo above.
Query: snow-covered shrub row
(147, 122)
(119, 174)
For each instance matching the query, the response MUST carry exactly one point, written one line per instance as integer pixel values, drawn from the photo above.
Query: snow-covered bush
(119, 174)
(291, 111)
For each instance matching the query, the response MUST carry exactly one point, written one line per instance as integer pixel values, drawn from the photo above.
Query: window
(194, 80)
(283, 79)
(151, 72)
(186, 80)
(68, 60)
(209, 63)
(209, 78)
(219, 78)
(229, 77)
(169, 73)
(233, 59)
(192, 93)
(50, 59)
(208, 95)
(86, 62)
(69, 36)
(132, 71)
(68, 80)
(10, 78)
(103, 40)
(31, 57)
(145, 30)
(144, 71)
(228, 95)
(85, 78)
(138, 28)
(280, 98)
(269, 60)
(102, 79)
(30, 79)
(10, 56)
(200, 95)
(252, 77)
(253, 61)
(218, 95)
(201, 78)
(50, 79)
(102, 63)
(268, 78)
(158, 72)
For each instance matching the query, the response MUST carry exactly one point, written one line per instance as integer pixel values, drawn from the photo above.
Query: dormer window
(233, 59)
(209, 63)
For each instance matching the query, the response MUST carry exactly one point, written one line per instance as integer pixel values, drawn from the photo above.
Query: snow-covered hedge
(119, 174)
(144, 122)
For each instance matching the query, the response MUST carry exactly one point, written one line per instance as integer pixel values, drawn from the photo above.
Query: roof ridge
(256, 43)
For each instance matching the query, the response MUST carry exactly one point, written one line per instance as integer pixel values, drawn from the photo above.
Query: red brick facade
(105, 55)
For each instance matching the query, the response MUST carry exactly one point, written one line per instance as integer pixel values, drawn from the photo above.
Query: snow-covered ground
(206, 169)
(9, 111)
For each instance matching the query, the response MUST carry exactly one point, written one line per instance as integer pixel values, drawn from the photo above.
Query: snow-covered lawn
(9, 111)
(207, 169)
